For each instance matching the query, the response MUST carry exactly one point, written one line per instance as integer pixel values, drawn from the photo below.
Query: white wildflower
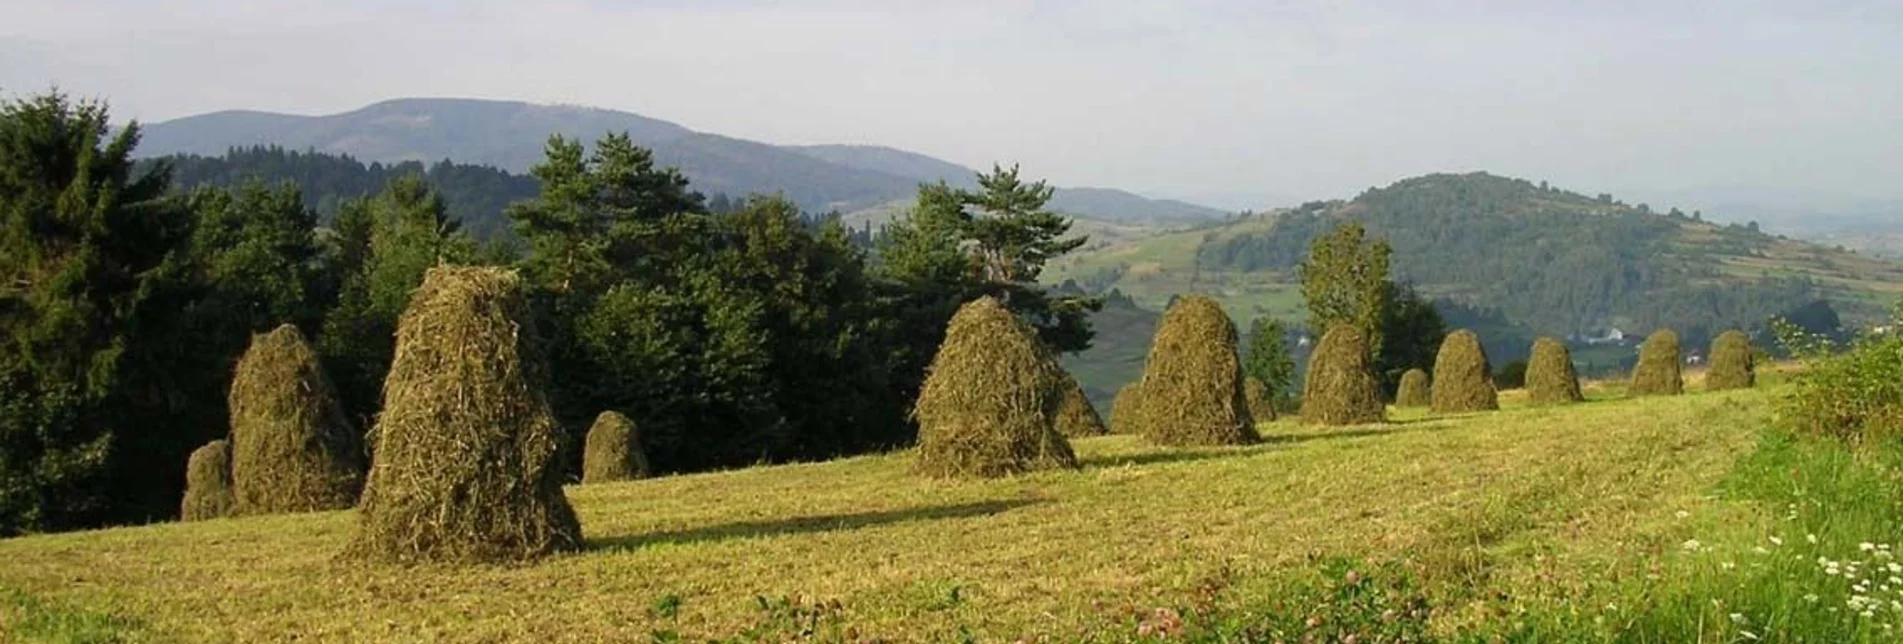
(1690, 545)
(1811, 538)
(1866, 546)
(1738, 618)
(1776, 541)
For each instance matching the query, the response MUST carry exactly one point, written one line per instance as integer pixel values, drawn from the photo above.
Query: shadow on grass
(806, 525)
(1179, 455)
(1193, 454)
(1392, 427)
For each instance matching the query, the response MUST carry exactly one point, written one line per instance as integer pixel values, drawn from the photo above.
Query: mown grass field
(1523, 504)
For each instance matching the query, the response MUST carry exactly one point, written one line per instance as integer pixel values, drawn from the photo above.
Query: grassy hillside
(1516, 508)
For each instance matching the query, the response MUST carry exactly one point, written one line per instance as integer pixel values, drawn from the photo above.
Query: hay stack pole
(1732, 365)
(1076, 417)
(292, 448)
(1550, 376)
(1416, 390)
(1658, 371)
(612, 451)
(1192, 383)
(1256, 394)
(1340, 388)
(465, 463)
(208, 483)
(1463, 377)
(990, 401)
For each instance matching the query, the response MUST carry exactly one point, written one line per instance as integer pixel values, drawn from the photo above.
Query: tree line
(733, 333)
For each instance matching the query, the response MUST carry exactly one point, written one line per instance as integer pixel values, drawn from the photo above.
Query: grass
(1521, 501)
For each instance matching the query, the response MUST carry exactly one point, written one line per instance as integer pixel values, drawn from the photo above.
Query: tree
(1411, 330)
(1345, 281)
(1270, 362)
(81, 238)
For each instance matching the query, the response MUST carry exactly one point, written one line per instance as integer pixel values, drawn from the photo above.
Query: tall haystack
(1256, 394)
(1075, 416)
(208, 483)
(465, 463)
(1340, 388)
(1657, 373)
(1550, 376)
(1415, 390)
(1192, 384)
(1732, 366)
(1125, 411)
(1463, 378)
(612, 451)
(292, 448)
(990, 401)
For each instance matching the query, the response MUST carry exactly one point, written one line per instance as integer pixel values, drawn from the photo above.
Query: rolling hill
(511, 135)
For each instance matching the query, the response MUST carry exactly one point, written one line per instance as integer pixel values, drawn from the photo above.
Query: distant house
(1611, 336)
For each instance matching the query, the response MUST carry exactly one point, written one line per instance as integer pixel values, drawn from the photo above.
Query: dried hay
(1551, 378)
(292, 447)
(1732, 366)
(1340, 388)
(990, 400)
(1125, 411)
(1415, 390)
(465, 462)
(1192, 383)
(208, 483)
(613, 451)
(1463, 379)
(1256, 395)
(1658, 372)
(1076, 417)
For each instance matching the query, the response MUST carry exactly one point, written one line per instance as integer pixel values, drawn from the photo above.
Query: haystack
(208, 483)
(1125, 412)
(1550, 376)
(1415, 390)
(1075, 416)
(1261, 405)
(1657, 373)
(292, 447)
(1732, 365)
(465, 463)
(1192, 383)
(1340, 388)
(612, 451)
(1463, 378)
(990, 401)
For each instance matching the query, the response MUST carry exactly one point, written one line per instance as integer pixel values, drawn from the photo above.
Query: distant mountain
(512, 135)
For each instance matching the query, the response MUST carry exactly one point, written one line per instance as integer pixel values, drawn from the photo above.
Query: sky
(1235, 103)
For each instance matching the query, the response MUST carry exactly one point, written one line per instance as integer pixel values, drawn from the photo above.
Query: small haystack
(1261, 405)
(1551, 378)
(1076, 417)
(1340, 388)
(1732, 365)
(465, 463)
(1657, 373)
(292, 448)
(1125, 411)
(990, 401)
(1415, 390)
(612, 451)
(208, 483)
(1192, 382)
(1463, 378)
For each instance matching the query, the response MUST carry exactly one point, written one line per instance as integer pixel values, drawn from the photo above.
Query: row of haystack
(1461, 382)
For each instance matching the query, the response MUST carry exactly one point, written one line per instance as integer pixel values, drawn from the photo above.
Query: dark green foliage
(612, 451)
(1511, 376)
(1854, 394)
(1415, 390)
(1658, 370)
(989, 407)
(1345, 281)
(465, 465)
(292, 450)
(1550, 376)
(1193, 382)
(1412, 330)
(1270, 365)
(1340, 387)
(1075, 416)
(208, 492)
(1732, 363)
(1463, 378)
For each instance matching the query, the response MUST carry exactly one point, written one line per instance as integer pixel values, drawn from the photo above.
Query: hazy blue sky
(1232, 102)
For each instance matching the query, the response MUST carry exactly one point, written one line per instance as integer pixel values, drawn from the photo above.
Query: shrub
(1657, 373)
(1340, 388)
(612, 451)
(990, 400)
(1551, 378)
(1855, 395)
(1192, 383)
(1732, 364)
(1415, 390)
(1463, 380)
(1261, 403)
(465, 463)
(1075, 415)
(1125, 409)
(292, 449)
(208, 483)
